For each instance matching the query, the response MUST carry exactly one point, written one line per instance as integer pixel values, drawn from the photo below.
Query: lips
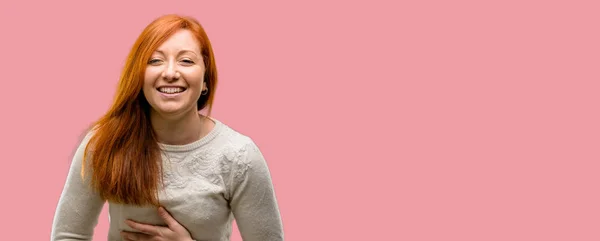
(171, 89)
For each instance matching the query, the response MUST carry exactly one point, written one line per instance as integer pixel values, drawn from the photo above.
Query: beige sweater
(208, 183)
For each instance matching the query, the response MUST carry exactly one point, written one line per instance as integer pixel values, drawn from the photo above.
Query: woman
(167, 171)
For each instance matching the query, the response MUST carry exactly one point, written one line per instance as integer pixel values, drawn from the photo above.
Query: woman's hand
(174, 231)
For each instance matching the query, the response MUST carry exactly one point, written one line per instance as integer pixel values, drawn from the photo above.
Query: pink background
(380, 120)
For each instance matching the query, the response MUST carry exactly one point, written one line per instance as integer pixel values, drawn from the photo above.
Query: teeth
(171, 90)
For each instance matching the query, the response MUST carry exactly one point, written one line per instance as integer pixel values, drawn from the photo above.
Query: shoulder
(238, 149)
(88, 133)
(233, 140)
(84, 139)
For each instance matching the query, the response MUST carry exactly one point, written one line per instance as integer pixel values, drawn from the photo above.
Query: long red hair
(124, 154)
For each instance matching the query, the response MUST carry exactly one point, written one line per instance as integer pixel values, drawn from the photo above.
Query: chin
(170, 110)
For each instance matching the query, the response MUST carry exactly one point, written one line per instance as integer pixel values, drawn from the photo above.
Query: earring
(204, 92)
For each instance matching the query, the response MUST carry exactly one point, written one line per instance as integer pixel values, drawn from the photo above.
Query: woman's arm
(253, 201)
(78, 208)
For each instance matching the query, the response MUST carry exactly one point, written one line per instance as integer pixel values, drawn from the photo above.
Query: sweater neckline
(196, 144)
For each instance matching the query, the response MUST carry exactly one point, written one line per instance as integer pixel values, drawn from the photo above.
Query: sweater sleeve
(253, 201)
(78, 207)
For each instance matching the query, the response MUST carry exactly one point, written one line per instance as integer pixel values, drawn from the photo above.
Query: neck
(183, 130)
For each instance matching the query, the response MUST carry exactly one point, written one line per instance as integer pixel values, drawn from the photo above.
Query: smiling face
(174, 76)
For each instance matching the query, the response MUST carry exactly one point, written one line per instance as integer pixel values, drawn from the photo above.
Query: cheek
(194, 80)
(150, 77)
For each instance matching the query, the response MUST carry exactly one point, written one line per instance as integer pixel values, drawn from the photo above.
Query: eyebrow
(180, 52)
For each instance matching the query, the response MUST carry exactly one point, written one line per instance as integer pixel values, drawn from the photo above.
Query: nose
(170, 73)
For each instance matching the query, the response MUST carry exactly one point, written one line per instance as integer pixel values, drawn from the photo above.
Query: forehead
(182, 40)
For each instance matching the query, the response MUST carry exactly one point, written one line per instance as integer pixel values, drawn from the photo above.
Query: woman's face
(174, 77)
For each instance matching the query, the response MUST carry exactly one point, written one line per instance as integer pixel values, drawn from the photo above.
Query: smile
(171, 90)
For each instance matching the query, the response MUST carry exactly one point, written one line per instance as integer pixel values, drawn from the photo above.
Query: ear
(204, 89)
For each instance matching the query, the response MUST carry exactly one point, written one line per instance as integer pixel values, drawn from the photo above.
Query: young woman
(167, 171)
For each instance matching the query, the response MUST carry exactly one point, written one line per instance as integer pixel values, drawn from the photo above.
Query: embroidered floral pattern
(241, 162)
(172, 177)
(205, 168)
(208, 168)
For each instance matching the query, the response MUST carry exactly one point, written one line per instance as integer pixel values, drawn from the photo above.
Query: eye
(153, 61)
(188, 61)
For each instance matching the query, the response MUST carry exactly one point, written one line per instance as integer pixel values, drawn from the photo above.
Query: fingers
(169, 220)
(152, 230)
(131, 236)
(144, 228)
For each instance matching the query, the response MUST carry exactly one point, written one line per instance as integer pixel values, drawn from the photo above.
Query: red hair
(124, 154)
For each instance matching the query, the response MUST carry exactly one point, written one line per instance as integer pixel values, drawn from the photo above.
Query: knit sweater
(208, 183)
